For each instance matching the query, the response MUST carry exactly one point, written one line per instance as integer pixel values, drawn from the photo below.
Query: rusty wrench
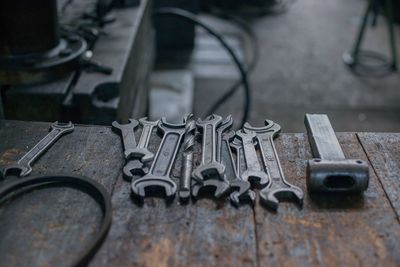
(140, 156)
(241, 189)
(211, 172)
(159, 175)
(23, 166)
(278, 188)
(254, 172)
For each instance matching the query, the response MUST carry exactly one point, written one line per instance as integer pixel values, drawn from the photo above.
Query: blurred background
(94, 61)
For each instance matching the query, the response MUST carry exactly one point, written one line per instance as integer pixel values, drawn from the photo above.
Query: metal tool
(187, 159)
(330, 171)
(158, 178)
(254, 172)
(278, 188)
(128, 136)
(241, 189)
(23, 166)
(140, 156)
(211, 172)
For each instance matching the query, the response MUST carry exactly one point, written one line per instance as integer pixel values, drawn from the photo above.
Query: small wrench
(241, 189)
(254, 172)
(211, 172)
(140, 156)
(158, 176)
(128, 135)
(23, 166)
(278, 188)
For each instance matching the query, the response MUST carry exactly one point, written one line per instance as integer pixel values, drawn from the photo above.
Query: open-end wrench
(158, 178)
(128, 135)
(140, 156)
(211, 172)
(254, 172)
(278, 188)
(23, 166)
(241, 189)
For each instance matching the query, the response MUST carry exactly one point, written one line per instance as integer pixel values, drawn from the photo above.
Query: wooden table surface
(49, 225)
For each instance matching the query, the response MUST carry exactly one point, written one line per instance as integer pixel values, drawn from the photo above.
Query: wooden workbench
(48, 226)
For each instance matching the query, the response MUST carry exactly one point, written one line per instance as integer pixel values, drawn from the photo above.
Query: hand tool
(23, 166)
(330, 171)
(241, 189)
(254, 172)
(140, 156)
(158, 178)
(187, 159)
(128, 135)
(211, 172)
(278, 188)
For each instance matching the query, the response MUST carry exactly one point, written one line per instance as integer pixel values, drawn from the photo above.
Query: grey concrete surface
(300, 70)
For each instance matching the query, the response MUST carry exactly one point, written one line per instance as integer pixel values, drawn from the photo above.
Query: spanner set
(226, 162)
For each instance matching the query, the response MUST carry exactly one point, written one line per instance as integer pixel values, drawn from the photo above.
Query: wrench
(23, 166)
(158, 176)
(278, 188)
(254, 172)
(128, 135)
(242, 189)
(140, 156)
(211, 172)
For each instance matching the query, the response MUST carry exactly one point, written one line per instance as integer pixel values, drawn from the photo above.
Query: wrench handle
(145, 136)
(209, 144)
(164, 159)
(271, 160)
(187, 167)
(42, 146)
(250, 155)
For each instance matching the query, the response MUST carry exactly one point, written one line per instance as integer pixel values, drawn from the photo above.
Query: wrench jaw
(270, 126)
(143, 154)
(15, 170)
(154, 186)
(242, 193)
(209, 170)
(65, 127)
(220, 188)
(258, 179)
(134, 169)
(271, 198)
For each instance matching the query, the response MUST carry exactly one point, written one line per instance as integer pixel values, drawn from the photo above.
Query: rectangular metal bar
(322, 138)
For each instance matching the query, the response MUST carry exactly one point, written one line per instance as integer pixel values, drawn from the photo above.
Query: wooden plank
(383, 151)
(347, 231)
(48, 227)
(206, 233)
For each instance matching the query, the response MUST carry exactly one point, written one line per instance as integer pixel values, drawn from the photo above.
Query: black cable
(184, 14)
(254, 59)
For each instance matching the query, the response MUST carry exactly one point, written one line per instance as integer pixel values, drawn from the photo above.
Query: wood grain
(48, 226)
(383, 150)
(328, 231)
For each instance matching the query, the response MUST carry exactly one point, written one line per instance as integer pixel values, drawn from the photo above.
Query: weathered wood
(48, 227)
(383, 151)
(206, 233)
(351, 231)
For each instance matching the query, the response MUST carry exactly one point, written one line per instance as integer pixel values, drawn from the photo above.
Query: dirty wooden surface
(49, 225)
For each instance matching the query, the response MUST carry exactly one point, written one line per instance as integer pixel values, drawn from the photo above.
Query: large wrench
(23, 166)
(241, 189)
(140, 156)
(211, 172)
(128, 135)
(158, 176)
(254, 172)
(278, 188)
